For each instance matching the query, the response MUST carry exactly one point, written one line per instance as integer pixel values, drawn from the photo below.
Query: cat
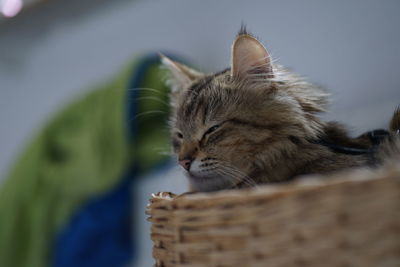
(256, 122)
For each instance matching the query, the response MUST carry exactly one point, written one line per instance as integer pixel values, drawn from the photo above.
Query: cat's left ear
(181, 75)
(249, 57)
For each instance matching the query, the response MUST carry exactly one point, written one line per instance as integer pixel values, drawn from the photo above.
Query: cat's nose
(185, 163)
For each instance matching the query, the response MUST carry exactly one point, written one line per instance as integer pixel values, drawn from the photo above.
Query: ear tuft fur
(395, 122)
(243, 30)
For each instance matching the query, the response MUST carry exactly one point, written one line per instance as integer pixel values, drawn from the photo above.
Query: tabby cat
(256, 122)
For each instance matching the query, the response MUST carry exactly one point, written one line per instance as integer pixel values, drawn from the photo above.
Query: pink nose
(185, 163)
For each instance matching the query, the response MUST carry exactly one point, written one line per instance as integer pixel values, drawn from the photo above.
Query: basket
(350, 219)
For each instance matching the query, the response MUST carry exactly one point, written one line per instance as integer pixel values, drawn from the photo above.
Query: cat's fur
(256, 123)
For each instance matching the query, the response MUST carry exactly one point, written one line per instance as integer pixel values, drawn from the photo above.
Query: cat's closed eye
(212, 129)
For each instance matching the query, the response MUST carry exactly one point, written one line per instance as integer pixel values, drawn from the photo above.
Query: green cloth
(81, 153)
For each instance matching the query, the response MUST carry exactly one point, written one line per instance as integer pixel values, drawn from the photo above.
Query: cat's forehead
(210, 81)
(208, 88)
(202, 100)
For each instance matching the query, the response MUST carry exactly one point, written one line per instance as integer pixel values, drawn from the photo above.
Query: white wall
(50, 55)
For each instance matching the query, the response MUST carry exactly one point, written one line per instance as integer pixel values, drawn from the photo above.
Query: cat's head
(229, 127)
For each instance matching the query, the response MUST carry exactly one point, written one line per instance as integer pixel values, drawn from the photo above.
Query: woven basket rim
(302, 183)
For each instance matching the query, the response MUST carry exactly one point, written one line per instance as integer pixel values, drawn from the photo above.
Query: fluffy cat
(258, 123)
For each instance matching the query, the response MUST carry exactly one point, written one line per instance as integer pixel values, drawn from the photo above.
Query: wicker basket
(352, 219)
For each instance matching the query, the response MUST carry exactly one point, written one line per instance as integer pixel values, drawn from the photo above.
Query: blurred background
(53, 52)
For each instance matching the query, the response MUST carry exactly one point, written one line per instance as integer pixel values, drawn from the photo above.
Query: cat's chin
(208, 183)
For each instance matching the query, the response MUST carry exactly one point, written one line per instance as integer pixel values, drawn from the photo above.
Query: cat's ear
(181, 75)
(250, 58)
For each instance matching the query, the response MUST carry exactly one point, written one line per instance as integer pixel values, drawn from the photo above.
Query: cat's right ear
(181, 75)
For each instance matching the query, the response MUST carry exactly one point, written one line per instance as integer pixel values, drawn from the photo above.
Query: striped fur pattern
(252, 123)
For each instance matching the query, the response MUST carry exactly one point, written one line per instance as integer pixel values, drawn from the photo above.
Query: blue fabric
(100, 234)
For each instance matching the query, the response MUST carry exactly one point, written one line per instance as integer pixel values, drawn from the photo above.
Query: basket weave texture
(352, 219)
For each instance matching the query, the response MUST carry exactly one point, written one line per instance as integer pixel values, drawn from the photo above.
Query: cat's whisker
(241, 176)
(240, 179)
(163, 151)
(151, 112)
(244, 176)
(153, 98)
(146, 89)
(234, 180)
